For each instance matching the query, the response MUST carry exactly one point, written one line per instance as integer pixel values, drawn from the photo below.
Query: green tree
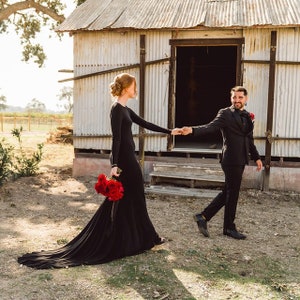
(3, 105)
(66, 96)
(26, 18)
(35, 106)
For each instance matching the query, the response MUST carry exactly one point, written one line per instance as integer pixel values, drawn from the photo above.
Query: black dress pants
(228, 197)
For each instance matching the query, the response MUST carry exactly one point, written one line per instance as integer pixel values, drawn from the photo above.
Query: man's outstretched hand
(186, 130)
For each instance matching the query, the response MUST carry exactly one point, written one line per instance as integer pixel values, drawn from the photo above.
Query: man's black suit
(237, 131)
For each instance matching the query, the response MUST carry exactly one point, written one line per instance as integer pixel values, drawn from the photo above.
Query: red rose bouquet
(109, 187)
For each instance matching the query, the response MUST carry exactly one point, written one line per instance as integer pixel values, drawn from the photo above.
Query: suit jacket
(238, 140)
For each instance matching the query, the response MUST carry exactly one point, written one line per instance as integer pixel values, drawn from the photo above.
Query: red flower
(100, 185)
(115, 190)
(252, 116)
(109, 187)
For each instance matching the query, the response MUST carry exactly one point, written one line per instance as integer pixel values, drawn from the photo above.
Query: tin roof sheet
(172, 14)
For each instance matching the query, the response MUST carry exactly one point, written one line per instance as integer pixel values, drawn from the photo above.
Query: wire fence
(32, 124)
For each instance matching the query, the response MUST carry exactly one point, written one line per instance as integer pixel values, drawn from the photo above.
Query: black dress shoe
(202, 224)
(234, 234)
(160, 241)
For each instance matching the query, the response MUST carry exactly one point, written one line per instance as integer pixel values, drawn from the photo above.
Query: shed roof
(181, 14)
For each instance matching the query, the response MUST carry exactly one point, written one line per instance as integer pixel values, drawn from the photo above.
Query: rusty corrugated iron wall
(106, 36)
(108, 50)
(286, 130)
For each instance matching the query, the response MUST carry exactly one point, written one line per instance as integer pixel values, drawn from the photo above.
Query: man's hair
(239, 88)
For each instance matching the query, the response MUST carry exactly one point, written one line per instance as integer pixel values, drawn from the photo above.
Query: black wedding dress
(117, 229)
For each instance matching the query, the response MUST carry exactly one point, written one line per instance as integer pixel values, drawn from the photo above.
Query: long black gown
(117, 229)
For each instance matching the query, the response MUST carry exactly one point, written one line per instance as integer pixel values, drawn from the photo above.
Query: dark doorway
(204, 77)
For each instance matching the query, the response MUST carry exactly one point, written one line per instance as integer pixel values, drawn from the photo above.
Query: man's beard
(238, 105)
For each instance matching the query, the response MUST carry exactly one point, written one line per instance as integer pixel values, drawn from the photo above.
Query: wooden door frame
(174, 43)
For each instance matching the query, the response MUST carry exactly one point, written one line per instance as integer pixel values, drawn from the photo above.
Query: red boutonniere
(252, 116)
(109, 187)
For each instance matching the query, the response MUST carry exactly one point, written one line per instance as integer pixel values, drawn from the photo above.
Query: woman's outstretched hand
(176, 131)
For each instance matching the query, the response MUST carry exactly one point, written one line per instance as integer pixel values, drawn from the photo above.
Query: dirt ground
(49, 209)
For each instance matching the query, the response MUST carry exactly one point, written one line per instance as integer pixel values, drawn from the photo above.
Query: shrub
(24, 164)
(17, 163)
(5, 160)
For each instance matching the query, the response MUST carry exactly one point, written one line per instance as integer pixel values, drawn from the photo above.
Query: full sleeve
(116, 118)
(252, 148)
(215, 125)
(147, 125)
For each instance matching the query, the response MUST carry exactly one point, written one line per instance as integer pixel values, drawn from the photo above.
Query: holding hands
(176, 131)
(182, 131)
(186, 130)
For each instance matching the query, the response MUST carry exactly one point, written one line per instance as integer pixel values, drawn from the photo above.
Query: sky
(20, 82)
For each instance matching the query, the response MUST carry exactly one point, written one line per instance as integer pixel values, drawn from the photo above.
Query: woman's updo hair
(121, 82)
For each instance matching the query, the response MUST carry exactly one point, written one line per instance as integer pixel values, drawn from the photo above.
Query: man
(236, 126)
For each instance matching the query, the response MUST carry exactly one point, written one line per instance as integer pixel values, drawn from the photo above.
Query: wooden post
(239, 66)
(171, 98)
(142, 101)
(29, 121)
(2, 128)
(269, 128)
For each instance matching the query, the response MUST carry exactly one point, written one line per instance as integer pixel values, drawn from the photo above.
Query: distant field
(34, 122)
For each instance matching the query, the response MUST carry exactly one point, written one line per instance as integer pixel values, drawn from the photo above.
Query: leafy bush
(5, 160)
(17, 163)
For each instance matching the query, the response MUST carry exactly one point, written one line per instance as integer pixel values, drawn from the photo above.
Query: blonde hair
(121, 82)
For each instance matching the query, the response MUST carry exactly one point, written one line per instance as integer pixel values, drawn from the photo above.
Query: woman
(121, 228)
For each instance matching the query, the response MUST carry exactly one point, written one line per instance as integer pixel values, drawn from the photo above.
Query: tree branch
(13, 8)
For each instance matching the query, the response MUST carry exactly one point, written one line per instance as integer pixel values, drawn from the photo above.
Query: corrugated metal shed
(108, 50)
(153, 14)
(146, 38)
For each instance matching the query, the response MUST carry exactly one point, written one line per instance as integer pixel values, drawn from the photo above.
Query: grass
(45, 277)
(153, 272)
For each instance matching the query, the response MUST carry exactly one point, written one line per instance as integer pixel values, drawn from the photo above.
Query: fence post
(29, 122)
(2, 129)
